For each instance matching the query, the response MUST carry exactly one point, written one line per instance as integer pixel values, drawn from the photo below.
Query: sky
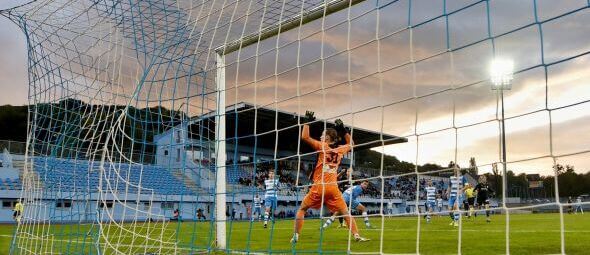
(13, 63)
(443, 126)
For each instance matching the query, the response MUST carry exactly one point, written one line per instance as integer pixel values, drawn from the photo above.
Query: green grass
(529, 234)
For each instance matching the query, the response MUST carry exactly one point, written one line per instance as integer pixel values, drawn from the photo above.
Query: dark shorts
(16, 214)
(471, 201)
(483, 201)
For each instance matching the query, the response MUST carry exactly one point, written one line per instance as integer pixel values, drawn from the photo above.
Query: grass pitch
(529, 234)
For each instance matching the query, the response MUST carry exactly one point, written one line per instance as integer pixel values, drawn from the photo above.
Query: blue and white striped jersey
(430, 193)
(354, 191)
(270, 187)
(455, 185)
(439, 202)
(257, 202)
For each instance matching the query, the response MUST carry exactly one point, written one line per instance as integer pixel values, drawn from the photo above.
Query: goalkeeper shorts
(330, 196)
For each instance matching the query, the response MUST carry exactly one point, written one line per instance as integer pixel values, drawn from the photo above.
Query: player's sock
(427, 218)
(451, 215)
(329, 221)
(366, 219)
(456, 216)
(299, 218)
(351, 224)
(265, 218)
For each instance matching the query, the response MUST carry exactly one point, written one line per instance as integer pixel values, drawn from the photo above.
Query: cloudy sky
(13, 63)
(428, 121)
(442, 103)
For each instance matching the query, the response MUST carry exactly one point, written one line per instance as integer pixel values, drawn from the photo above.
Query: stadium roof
(277, 127)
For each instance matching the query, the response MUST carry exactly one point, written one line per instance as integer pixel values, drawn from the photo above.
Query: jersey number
(332, 157)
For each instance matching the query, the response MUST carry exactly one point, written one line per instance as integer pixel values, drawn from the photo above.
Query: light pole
(501, 74)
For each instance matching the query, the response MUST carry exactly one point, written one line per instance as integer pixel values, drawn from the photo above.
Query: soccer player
(579, 205)
(257, 207)
(270, 196)
(430, 202)
(18, 211)
(325, 188)
(470, 202)
(454, 195)
(176, 215)
(483, 191)
(351, 195)
(390, 207)
(200, 215)
(439, 203)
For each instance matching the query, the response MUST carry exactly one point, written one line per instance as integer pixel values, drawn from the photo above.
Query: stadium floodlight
(501, 72)
(501, 75)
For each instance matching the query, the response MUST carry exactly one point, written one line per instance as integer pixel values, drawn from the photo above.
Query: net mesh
(125, 114)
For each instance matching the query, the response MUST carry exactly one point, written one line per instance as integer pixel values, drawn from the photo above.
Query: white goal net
(154, 126)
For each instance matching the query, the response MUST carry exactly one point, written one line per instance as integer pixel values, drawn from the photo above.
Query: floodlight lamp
(501, 72)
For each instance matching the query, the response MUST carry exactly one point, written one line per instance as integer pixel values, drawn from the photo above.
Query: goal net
(154, 126)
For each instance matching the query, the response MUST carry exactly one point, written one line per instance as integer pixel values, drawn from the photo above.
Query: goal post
(220, 153)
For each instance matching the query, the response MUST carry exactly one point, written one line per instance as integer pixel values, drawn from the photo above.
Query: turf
(529, 234)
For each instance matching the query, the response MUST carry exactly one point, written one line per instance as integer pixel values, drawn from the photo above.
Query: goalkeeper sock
(351, 224)
(329, 221)
(366, 219)
(299, 217)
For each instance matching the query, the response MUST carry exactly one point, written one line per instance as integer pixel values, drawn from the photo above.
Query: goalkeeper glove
(340, 127)
(308, 117)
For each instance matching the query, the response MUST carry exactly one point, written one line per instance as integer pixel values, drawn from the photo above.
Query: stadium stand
(10, 184)
(71, 175)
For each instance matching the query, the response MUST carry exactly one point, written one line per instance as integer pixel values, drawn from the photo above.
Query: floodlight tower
(501, 74)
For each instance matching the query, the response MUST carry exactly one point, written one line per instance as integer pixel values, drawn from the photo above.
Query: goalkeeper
(325, 188)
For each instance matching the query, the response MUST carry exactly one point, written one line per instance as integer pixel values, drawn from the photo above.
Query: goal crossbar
(290, 23)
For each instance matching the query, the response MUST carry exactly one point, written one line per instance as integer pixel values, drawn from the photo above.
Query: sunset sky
(425, 101)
